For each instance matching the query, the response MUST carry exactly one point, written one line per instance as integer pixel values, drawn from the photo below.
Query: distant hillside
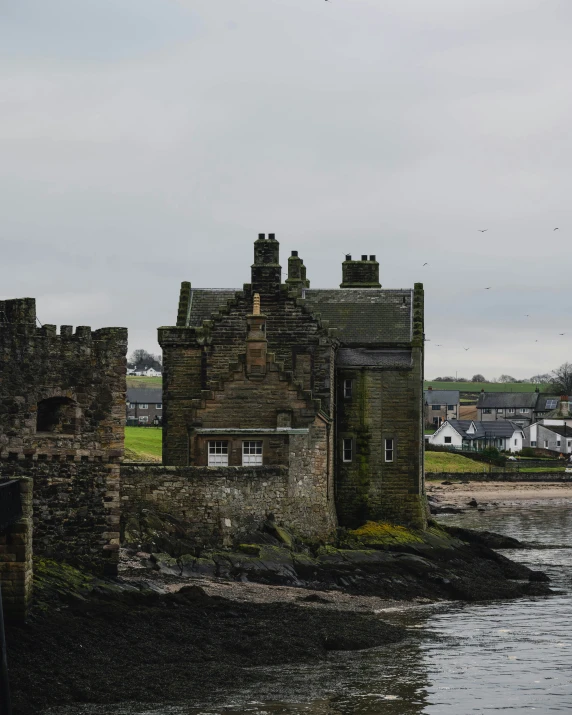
(475, 387)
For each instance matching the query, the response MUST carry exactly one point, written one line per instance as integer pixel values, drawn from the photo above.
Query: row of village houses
(508, 421)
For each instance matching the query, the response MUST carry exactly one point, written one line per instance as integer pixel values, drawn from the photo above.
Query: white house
(550, 434)
(475, 436)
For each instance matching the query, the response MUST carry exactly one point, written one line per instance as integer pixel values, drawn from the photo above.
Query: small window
(436, 421)
(143, 419)
(545, 444)
(515, 442)
(348, 449)
(218, 454)
(524, 410)
(143, 406)
(451, 407)
(389, 450)
(435, 407)
(570, 443)
(487, 411)
(510, 411)
(558, 443)
(499, 410)
(131, 405)
(532, 444)
(348, 388)
(251, 454)
(159, 406)
(447, 440)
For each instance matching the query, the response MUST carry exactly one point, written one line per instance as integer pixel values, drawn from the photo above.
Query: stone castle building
(324, 385)
(62, 418)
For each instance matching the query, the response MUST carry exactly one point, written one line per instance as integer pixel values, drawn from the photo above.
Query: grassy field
(447, 462)
(143, 444)
(133, 381)
(486, 386)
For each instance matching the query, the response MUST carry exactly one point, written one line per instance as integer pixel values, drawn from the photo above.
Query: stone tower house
(327, 383)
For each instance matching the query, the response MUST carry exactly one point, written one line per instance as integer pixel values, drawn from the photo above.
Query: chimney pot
(364, 258)
(294, 253)
(348, 256)
(261, 236)
(271, 236)
(372, 258)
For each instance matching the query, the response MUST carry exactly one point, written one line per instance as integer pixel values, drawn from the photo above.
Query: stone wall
(16, 559)
(76, 511)
(61, 395)
(220, 505)
(384, 405)
(499, 476)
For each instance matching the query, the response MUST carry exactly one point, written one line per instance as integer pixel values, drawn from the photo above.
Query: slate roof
(507, 399)
(562, 430)
(140, 394)
(364, 357)
(206, 301)
(442, 397)
(543, 399)
(365, 315)
(498, 428)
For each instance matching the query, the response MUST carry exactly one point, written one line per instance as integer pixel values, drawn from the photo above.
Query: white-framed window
(570, 442)
(218, 453)
(347, 449)
(389, 449)
(159, 406)
(447, 440)
(558, 443)
(348, 388)
(143, 419)
(131, 405)
(487, 411)
(251, 454)
(451, 408)
(524, 410)
(515, 442)
(143, 406)
(499, 410)
(510, 411)
(533, 443)
(545, 444)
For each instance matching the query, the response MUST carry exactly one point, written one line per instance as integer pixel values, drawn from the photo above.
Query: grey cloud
(145, 142)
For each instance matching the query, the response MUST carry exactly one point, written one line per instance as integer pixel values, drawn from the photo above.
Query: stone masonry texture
(62, 418)
(210, 391)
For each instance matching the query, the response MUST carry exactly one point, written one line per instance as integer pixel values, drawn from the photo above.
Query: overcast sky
(146, 142)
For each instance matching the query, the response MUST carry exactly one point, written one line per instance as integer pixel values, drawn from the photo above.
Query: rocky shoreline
(175, 628)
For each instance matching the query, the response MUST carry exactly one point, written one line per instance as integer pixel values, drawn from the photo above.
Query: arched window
(58, 415)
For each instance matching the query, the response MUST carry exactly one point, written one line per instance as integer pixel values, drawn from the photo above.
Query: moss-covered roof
(365, 315)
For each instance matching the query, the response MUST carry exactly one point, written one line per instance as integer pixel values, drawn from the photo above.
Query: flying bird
(482, 230)
(488, 288)
(438, 346)
(561, 333)
(556, 229)
(425, 264)
(527, 316)
(466, 348)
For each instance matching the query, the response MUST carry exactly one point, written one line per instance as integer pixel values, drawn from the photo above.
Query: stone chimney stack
(565, 406)
(360, 274)
(266, 270)
(297, 273)
(256, 342)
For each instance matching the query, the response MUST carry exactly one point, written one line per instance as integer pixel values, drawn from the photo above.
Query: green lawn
(133, 381)
(143, 444)
(486, 386)
(448, 462)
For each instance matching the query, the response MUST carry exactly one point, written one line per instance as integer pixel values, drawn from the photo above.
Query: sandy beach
(499, 494)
